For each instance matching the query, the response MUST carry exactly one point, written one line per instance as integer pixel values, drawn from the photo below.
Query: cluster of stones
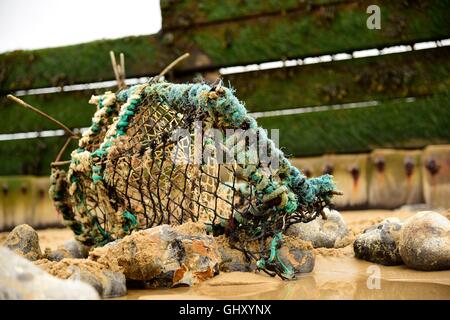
(421, 242)
(163, 256)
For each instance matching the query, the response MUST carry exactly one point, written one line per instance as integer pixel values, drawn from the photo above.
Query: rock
(379, 243)
(56, 255)
(294, 252)
(232, 259)
(71, 249)
(300, 257)
(163, 256)
(107, 283)
(329, 233)
(76, 249)
(24, 240)
(425, 241)
(21, 279)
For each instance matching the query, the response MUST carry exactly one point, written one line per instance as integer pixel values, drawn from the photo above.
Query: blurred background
(361, 94)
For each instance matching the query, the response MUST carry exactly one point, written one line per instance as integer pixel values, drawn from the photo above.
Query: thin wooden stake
(172, 64)
(43, 114)
(122, 64)
(60, 153)
(119, 69)
(59, 163)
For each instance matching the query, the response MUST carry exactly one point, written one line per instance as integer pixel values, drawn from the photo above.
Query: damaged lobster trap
(142, 163)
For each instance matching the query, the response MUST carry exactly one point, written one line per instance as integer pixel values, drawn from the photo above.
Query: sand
(337, 275)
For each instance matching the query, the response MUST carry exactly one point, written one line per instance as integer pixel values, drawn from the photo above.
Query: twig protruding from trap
(172, 64)
(61, 151)
(119, 69)
(72, 134)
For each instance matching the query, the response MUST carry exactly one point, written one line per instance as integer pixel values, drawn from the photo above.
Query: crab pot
(436, 176)
(395, 178)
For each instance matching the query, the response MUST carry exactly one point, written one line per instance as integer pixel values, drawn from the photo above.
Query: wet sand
(337, 275)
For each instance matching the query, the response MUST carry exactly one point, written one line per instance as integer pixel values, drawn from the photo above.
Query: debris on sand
(379, 243)
(24, 240)
(21, 279)
(425, 241)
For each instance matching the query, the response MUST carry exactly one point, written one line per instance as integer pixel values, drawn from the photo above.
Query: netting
(132, 172)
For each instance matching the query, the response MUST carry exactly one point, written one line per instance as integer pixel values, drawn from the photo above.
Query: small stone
(57, 255)
(329, 233)
(379, 243)
(76, 249)
(71, 249)
(232, 259)
(108, 284)
(425, 241)
(301, 260)
(163, 256)
(21, 279)
(294, 252)
(24, 240)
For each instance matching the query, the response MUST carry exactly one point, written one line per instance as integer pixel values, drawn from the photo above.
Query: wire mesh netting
(163, 153)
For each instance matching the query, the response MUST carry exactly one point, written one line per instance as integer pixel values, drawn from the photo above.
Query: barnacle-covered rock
(424, 242)
(379, 243)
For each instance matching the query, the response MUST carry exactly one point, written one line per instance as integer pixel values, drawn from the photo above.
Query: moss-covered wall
(398, 75)
(184, 13)
(259, 31)
(320, 30)
(389, 125)
(415, 73)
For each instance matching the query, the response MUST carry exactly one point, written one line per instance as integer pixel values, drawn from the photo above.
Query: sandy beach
(337, 275)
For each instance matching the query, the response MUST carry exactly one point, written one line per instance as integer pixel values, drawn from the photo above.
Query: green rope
(130, 221)
(274, 261)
